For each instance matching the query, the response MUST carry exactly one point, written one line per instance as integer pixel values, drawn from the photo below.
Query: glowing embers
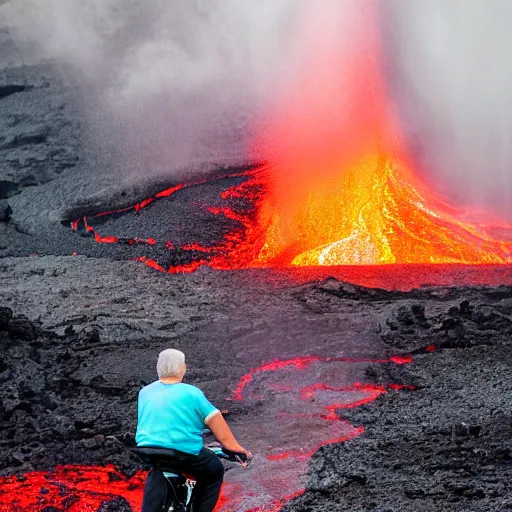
(371, 213)
(70, 488)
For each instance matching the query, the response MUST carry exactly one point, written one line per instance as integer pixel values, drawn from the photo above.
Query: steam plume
(166, 83)
(449, 69)
(172, 82)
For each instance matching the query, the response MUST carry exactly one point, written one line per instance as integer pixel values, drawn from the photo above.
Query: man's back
(172, 416)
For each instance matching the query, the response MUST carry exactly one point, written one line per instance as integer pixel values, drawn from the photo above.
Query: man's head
(171, 364)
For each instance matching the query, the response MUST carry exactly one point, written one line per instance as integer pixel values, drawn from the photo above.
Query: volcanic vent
(338, 187)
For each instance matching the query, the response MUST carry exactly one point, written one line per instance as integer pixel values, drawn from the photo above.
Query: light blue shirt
(172, 416)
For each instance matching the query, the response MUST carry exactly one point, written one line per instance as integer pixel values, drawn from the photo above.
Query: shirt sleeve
(204, 408)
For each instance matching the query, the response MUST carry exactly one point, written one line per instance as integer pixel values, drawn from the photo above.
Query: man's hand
(220, 429)
(247, 454)
(244, 458)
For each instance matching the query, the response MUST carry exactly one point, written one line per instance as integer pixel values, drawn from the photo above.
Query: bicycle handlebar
(224, 453)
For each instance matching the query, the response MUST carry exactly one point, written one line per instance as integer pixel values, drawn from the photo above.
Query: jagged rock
(465, 429)
(5, 211)
(33, 136)
(101, 385)
(418, 311)
(21, 328)
(7, 188)
(360, 478)
(90, 335)
(115, 505)
(407, 319)
(8, 89)
(69, 330)
(462, 326)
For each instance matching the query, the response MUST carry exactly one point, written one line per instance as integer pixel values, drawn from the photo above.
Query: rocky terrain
(70, 381)
(445, 446)
(80, 335)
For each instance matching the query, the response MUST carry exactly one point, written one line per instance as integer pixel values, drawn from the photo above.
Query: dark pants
(205, 467)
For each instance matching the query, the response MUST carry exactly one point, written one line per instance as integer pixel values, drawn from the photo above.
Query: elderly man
(172, 415)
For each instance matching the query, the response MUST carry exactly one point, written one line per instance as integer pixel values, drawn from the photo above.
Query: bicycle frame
(176, 482)
(180, 487)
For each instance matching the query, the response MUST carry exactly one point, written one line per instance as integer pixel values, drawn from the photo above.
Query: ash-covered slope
(40, 128)
(70, 381)
(445, 447)
(52, 170)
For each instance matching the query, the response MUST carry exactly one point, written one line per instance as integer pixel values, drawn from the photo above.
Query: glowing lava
(297, 412)
(377, 213)
(338, 187)
(343, 190)
(69, 488)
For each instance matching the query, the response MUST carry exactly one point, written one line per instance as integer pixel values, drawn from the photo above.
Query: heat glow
(343, 189)
(378, 213)
(338, 187)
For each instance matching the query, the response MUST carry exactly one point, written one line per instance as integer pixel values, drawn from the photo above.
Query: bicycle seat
(163, 459)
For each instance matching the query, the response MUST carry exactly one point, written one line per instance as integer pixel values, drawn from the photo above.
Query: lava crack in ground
(306, 392)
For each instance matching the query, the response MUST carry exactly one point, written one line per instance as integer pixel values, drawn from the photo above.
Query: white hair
(171, 363)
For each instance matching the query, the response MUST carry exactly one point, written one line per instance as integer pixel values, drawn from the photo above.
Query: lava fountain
(338, 186)
(343, 190)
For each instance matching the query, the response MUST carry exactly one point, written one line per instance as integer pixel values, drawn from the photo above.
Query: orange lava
(376, 213)
(344, 191)
(338, 188)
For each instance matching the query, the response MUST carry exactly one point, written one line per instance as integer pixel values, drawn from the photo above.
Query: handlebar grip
(240, 457)
(224, 453)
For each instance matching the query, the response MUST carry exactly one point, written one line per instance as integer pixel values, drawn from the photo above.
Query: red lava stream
(300, 400)
(241, 245)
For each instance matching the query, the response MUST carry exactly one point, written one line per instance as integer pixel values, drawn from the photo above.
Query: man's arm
(217, 424)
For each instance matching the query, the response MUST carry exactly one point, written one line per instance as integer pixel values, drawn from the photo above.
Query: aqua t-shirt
(172, 416)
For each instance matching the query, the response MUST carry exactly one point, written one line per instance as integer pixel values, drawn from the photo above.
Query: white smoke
(166, 82)
(451, 75)
(170, 82)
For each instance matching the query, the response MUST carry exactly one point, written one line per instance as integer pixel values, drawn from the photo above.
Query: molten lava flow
(296, 397)
(299, 411)
(70, 488)
(374, 213)
(338, 187)
(344, 191)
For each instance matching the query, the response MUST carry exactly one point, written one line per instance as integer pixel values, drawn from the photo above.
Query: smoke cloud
(170, 83)
(449, 71)
(165, 83)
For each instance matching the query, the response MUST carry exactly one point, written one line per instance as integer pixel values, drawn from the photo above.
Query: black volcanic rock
(48, 414)
(7, 188)
(8, 89)
(21, 328)
(468, 324)
(5, 211)
(5, 317)
(115, 505)
(33, 136)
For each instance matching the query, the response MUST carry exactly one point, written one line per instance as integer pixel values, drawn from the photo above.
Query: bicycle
(180, 487)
